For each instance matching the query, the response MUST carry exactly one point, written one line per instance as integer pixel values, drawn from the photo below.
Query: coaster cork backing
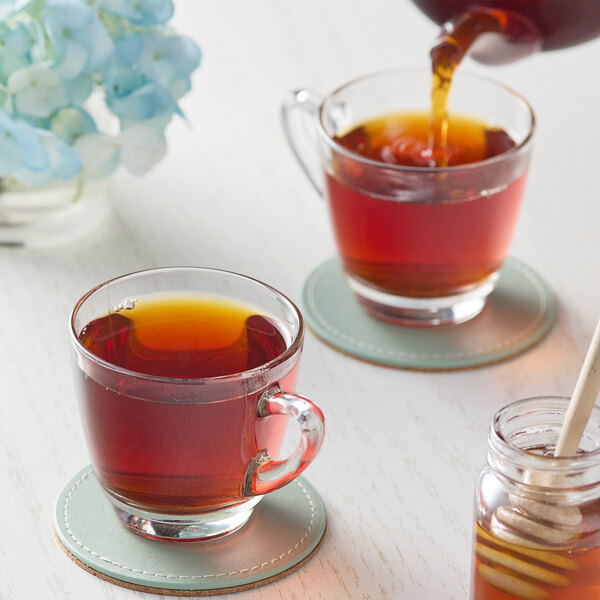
(518, 314)
(283, 533)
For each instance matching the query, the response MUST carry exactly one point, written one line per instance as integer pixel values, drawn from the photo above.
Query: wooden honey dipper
(535, 529)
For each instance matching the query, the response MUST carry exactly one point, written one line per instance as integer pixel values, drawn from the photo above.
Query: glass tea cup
(185, 382)
(419, 245)
(537, 516)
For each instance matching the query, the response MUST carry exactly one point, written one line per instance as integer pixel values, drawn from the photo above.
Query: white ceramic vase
(53, 214)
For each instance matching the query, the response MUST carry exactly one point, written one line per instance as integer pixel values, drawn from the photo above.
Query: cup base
(184, 528)
(286, 530)
(517, 315)
(422, 312)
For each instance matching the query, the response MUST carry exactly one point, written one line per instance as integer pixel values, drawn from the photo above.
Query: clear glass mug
(418, 245)
(537, 517)
(184, 458)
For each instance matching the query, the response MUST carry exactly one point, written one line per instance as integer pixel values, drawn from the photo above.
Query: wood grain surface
(403, 449)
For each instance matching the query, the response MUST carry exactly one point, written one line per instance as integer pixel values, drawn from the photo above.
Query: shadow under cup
(418, 245)
(186, 458)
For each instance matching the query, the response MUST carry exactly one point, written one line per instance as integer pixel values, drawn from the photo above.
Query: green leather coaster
(518, 314)
(284, 531)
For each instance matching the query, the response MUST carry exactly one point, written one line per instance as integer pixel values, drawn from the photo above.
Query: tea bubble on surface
(125, 304)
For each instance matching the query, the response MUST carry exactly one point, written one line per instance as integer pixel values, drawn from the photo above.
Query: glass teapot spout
(489, 35)
(501, 31)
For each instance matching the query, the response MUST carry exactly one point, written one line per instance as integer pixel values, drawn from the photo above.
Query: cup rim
(290, 351)
(407, 168)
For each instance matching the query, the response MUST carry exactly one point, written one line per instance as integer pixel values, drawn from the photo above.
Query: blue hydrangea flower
(36, 91)
(15, 44)
(140, 12)
(169, 61)
(63, 162)
(55, 53)
(35, 122)
(72, 122)
(142, 147)
(78, 89)
(122, 79)
(10, 7)
(100, 155)
(19, 146)
(78, 36)
(38, 53)
(123, 76)
(150, 100)
(159, 124)
(138, 148)
(128, 49)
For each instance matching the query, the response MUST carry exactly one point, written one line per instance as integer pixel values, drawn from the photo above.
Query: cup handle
(299, 135)
(264, 475)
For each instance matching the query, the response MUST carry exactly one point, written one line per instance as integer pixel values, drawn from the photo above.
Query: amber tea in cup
(186, 380)
(420, 249)
(420, 243)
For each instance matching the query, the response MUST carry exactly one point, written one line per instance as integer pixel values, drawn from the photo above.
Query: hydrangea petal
(18, 39)
(71, 123)
(28, 149)
(33, 178)
(176, 53)
(128, 48)
(10, 7)
(15, 43)
(79, 88)
(121, 79)
(157, 123)
(73, 61)
(100, 155)
(183, 54)
(64, 162)
(68, 13)
(6, 7)
(35, 122)
(10, 153)
(74, 28)
(150, 100)
(37, 91)
(178, 86)
(141, 148)
(141, 12)
(38, 51)
(9, 63)
(174, 83)
(100, 45)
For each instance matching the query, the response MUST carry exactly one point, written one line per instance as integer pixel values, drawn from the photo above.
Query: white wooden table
(403, 449)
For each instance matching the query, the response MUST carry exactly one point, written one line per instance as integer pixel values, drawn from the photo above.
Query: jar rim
(505, 452)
